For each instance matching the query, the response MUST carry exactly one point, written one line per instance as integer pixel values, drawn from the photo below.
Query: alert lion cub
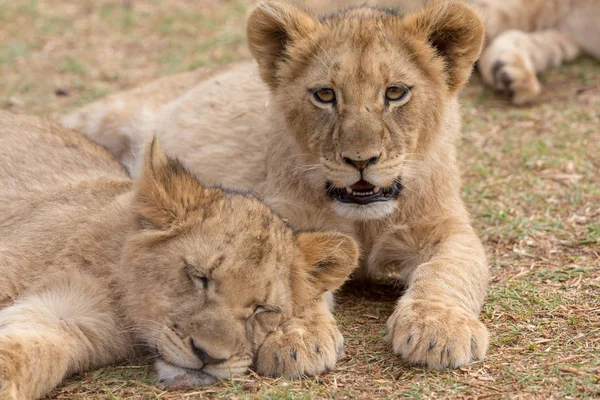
(353, 128)
(95, 267)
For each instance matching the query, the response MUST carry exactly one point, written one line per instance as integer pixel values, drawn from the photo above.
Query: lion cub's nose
(206, 358)
(361, 164)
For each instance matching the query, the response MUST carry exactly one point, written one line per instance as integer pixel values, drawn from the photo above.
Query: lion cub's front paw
(436, 335)
(520, 82)
(512, 73)
(300, 349)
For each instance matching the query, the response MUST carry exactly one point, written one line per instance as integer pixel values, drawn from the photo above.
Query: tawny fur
(94, 268)
(275, 139)
(526, 37)
(523, 37)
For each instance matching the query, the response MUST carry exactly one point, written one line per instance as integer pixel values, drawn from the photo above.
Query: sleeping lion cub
(347, 122)
(93, 266)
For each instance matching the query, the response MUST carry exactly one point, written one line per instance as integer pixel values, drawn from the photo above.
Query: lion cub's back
(37, 156)
(221, 129)
(582, 24)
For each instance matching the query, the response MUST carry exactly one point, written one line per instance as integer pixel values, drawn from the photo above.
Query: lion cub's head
(207, 274)
(364, 90)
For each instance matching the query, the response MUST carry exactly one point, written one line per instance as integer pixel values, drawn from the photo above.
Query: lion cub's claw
(436, 335)
(300, 351)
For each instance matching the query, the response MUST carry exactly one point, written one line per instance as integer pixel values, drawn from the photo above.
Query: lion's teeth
(348, 190)
(376, 189)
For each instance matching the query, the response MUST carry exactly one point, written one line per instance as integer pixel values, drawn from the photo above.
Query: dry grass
(531, 180)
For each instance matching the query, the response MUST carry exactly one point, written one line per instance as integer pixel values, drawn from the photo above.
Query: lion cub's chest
(383, 256)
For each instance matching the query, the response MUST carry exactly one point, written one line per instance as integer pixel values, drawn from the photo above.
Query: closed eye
(204, 280)
(260, 309)
(196, 276)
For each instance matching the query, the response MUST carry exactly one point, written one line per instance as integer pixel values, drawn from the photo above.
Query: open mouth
(362, 192)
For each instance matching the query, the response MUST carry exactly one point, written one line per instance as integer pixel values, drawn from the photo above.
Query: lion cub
(94, 265)
(345, 122)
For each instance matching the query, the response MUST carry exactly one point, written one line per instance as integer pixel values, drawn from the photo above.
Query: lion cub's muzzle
(184, 360)
(206, 358)
(362, 192)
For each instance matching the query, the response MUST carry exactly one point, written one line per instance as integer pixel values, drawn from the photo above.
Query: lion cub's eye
(262, 309)
(196, 277)
(200, 280)
(396, 93)
(203, 281)
(324, 95)
(268, 317)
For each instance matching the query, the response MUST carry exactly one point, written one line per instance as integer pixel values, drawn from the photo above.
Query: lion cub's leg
(64, 328)
(512, 60)
(436, 322)
(308, 344)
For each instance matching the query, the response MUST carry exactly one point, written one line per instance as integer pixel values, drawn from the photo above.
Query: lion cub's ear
(272, 26)
(455, 31)
(167, 193)
(330, 258)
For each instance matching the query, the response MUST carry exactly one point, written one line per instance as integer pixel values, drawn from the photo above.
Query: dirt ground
(531, 181)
